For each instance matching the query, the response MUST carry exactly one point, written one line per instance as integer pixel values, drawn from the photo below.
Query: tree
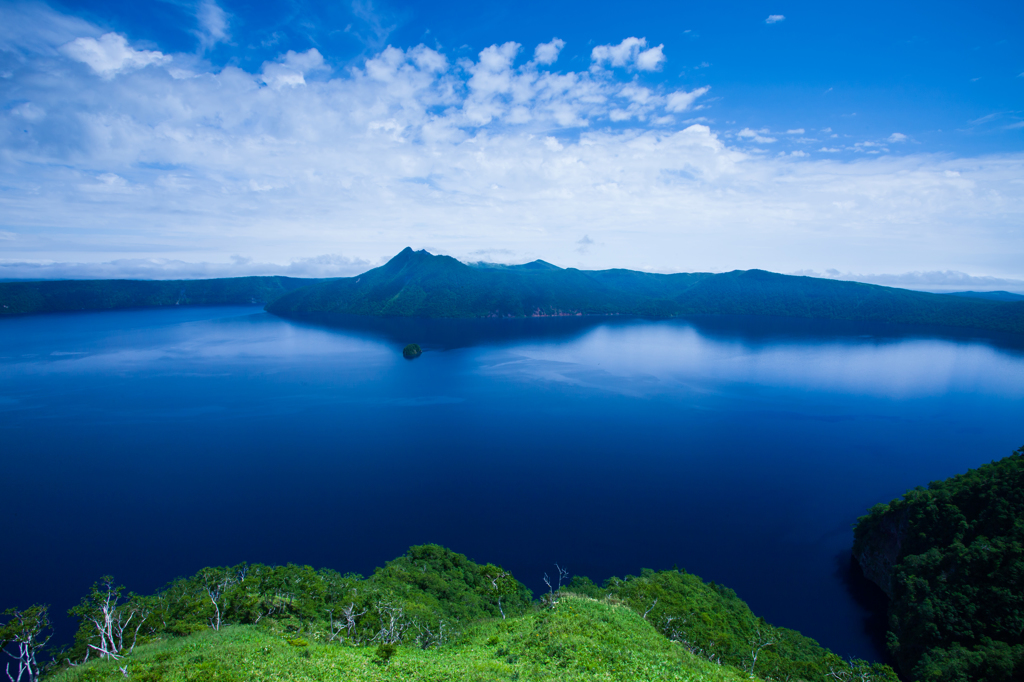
(28, 631)
(215, 583)
(762, 638)
(114, 625)
(502, 584)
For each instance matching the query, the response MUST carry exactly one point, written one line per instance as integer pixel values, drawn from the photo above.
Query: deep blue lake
(149, 443)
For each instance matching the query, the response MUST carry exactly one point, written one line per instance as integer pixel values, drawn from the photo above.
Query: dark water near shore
(147, 444)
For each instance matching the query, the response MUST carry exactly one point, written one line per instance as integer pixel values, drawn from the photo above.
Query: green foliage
(433, 614)
(384, 652)
(957, 609)
(19, 298)
(23, 638)
(412, 351)
(711, 622)
(581, 640)
(415, 283)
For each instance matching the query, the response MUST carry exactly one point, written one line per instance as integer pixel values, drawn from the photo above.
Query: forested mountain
(951, 559)
(416, 283)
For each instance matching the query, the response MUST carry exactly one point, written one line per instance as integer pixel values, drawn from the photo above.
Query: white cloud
(415, 148)
(897, 137)
(547, 53)
(111, 54)
(327, 265)
(213, 24)
(758, 136)
(291, 68)
(795, 131)
(30, 112)
(774, 18)
(680, 100)
(34, 28)
(935, 280)
(630, 53)
(652, 59)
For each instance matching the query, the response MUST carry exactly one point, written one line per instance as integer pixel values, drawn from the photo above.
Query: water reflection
(739, 448)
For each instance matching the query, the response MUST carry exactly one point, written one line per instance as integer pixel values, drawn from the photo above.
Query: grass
(580, 639)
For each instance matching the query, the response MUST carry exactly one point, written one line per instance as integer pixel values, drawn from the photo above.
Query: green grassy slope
(581, 639)
(19, 298)
(952, 559)
(444, 617)
(416, 283)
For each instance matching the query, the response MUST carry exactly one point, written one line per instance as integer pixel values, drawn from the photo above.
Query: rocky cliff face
(877, 547)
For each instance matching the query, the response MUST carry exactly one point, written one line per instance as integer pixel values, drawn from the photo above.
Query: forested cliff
(951, 559)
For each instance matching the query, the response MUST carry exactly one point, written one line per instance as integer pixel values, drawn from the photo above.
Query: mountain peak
(538, 265)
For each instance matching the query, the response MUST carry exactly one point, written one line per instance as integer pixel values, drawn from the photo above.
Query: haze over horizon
(207, 139)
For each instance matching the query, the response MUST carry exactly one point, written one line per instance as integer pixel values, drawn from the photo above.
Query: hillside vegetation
(433, 614)
(951, 558)
(20, 298)
(416, 283)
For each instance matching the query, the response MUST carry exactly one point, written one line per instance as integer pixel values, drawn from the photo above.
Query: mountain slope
(20, 298)
(416, 283)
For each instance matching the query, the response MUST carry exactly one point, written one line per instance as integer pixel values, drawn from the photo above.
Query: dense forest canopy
(951, 557)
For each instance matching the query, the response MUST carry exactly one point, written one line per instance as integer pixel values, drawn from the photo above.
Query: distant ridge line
(419, 284)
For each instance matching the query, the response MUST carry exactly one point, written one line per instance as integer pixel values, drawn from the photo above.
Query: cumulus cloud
(291, 68)
(111, 54)
(774, 18)
(413, 147)
(795, 131)
(651, 60)
(630, 53)
(897, 137)
(547, 53)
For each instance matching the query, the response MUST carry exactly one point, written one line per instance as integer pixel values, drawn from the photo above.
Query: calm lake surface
(147, 444)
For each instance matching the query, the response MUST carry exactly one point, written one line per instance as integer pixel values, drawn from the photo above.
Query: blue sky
(882, 142)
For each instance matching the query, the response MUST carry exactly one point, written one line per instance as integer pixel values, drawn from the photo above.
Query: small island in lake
(412, 351)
